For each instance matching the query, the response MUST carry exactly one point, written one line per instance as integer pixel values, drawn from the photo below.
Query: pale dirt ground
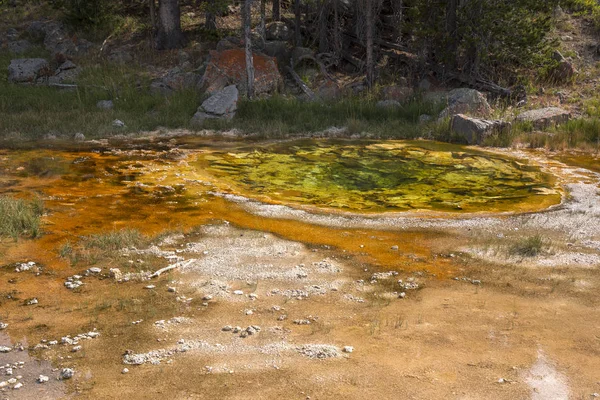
(507, 328)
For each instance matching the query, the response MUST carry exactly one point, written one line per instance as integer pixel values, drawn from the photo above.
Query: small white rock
(125, 370)
(238, 292)
(43, 379)
(348, 349)
(18, 386)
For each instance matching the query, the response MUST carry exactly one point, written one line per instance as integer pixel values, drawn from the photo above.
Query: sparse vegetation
(20, 217)
(99, 247)
(115, 240)
(530, 246)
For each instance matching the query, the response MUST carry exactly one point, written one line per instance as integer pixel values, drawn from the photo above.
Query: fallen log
(300, 83)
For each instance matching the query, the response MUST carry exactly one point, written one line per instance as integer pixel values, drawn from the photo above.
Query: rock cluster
(38, 71)
(57, 40)
(319, 351)
(26, 266)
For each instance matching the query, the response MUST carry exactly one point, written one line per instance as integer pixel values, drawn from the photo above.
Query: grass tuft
(529, 247)
(115, 240)
(20, 217)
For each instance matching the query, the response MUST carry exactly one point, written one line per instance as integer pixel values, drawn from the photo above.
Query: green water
(382, 176)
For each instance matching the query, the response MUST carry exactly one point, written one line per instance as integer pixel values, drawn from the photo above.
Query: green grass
(586, 8)
(115, 240)
(279, 116)
(582, 134)
(592, 107)
(95, 248)
(20, 217)
(30, 112)
(529, 247)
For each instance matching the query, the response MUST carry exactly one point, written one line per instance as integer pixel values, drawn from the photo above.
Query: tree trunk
(370, 62)
(298, 20)
(398, 10)
(169, 35)
(276, 10)
(263, 17)
(451, 32)
(153, 15)
(210, 23)
(323, 26)
(246, 15)
(337, 38)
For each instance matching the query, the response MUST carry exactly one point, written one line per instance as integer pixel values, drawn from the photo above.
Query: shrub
(87, 13)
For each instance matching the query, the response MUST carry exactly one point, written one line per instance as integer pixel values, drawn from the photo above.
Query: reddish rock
(228, 67)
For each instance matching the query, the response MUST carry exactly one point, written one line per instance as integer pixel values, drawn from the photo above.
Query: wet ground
(268, 300)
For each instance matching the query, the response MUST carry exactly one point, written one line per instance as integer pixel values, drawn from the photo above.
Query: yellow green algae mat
(382, 176)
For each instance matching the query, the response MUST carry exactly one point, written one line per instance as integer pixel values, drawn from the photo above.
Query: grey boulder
(475, 130)
(544, 117)
(466, 101)
(27, 70)
(67, 72)
(222, 105)
(19, 46)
